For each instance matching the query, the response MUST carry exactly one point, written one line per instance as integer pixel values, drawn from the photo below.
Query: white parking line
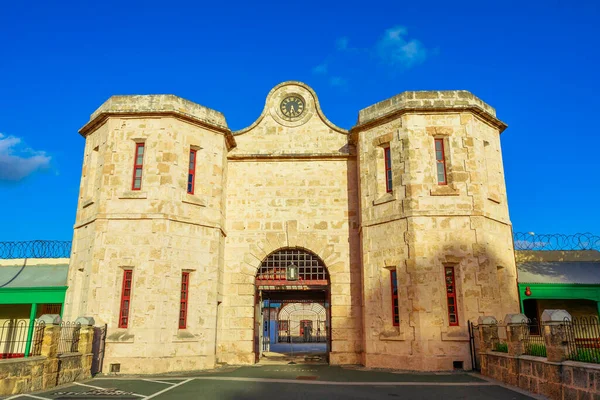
(300, 382)
(27, 395)
(169, 388)
(151, 380)
(101, 388)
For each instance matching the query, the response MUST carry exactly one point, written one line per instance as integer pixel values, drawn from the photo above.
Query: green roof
(34, 276)
(564, 272)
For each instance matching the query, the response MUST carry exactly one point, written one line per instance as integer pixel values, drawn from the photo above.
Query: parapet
(439, 100)
(157, 104)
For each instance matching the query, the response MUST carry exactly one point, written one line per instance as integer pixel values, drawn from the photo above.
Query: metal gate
(474, 346)
(98, 348)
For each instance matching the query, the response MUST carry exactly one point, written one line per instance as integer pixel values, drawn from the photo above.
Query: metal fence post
(31, 326)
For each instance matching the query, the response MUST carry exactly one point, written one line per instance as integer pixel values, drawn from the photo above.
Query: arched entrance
(292, 305)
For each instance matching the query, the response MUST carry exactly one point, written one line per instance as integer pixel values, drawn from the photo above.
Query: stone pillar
(86, 341)
(50, 349)
(488, 333)
(51, 334)
(516, 333)
(86, 334)
(557, 331)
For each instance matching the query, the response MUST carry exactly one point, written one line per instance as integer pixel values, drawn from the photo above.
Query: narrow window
(395, 311)
(191, 172)
(451, 296)
(185, 279)
(137, 166)
(440, 161)
(388, 169)
(125, 299)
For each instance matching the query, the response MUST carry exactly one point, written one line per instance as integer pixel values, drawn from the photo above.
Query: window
(451, 296)
(394, 285)
(388, 169)
(125, 299)
(191, 172)
(137, 166)
(283, 325)
(185, 280)
(440, 161)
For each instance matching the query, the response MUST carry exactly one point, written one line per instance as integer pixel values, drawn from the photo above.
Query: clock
(292, 106)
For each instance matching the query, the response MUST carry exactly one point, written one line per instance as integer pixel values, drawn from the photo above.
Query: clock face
(292, 106)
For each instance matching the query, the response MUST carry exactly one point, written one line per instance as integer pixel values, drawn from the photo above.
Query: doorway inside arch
(292, 313)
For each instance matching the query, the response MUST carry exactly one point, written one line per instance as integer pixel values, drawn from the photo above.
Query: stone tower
(404, 219)
(153, 228)
(440, 228)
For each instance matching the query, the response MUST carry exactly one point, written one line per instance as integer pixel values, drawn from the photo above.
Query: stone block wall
(24, 375)
(158, 232)
(420, 227)
(552, 376)
(291, 184)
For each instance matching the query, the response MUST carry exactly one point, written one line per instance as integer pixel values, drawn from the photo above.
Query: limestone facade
(292, 179)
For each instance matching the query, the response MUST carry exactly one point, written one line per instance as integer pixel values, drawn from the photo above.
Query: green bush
(501, 347)
(587, 355)
(535, 349)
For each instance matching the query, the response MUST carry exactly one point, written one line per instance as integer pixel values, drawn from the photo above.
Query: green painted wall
(548, 291)
(39, 295)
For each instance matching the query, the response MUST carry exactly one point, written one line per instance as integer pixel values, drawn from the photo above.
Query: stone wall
(567, 380)
(24, 375)
(420, 227)
(291, 184)
(158, 232)
(552, 376)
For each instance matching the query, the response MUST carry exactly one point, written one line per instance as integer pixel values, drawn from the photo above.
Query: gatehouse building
(193, 243)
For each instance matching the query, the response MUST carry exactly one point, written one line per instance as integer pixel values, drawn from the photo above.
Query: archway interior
(292, 287)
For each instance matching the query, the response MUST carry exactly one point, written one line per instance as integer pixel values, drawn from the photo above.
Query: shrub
(501, 347)
(588, 355)
(535, 349)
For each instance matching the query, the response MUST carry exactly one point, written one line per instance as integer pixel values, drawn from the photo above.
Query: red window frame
(183, 303)
(191, 172)
(125, 298)
(451, 296)
(394, 288)
(440, 162)
(138, 165)
(388, 169)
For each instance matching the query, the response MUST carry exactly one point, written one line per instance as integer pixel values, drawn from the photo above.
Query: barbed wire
(522, 241)
(35, 249)
(557, 241)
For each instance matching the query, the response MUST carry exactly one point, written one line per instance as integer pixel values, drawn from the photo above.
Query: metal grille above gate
(310, 269)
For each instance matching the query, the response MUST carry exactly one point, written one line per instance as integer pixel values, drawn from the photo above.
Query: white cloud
(320, 69)
(337, 81)
(18, 161)
(341, 43)
(396, 49)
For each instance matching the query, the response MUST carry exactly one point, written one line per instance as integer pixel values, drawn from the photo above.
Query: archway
(293, 283)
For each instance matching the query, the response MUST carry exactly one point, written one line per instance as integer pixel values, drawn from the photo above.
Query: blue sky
(536, 62)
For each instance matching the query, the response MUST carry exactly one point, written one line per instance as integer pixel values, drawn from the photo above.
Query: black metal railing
(548, 242)
(14, 335)
(535, 344)
(35, 249)
(69, 337)
(583, 339)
